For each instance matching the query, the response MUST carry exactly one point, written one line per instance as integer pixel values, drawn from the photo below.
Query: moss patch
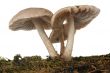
(35, 64)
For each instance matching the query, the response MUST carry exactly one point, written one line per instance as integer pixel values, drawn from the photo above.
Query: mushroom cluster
(63, 23)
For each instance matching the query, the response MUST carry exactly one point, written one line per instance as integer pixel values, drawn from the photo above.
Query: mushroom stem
(70, 40)
(62, 41)
(45, 39)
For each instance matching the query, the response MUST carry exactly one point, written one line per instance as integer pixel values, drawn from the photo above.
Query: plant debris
(35, 64)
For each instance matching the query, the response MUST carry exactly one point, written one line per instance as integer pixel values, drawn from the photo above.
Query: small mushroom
(60, 35)
(77, 17)
(34, 18)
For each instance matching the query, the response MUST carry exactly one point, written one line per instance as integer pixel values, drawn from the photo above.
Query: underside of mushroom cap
(82, 14)
(55, 34)
(85, 14)
(23, 19)
(55, 37)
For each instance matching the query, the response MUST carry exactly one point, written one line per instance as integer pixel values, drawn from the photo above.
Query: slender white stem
(45, 39)
(70, 40)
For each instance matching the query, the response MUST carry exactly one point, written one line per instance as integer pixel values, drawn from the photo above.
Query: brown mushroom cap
(82, 14)
(23, 19)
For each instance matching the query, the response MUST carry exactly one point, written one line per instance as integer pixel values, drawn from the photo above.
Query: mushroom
(34, 18)
(57, 36)
(77, 17)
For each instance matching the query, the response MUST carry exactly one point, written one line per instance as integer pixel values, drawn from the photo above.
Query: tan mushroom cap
(23, 19)
(82, 14)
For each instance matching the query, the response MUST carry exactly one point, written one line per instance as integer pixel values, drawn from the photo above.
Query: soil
(35, 64)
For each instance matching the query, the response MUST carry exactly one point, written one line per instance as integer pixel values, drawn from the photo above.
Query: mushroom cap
(82, 14)
(23, 19)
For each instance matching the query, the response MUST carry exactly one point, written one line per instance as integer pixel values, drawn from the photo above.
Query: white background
(91, 40)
